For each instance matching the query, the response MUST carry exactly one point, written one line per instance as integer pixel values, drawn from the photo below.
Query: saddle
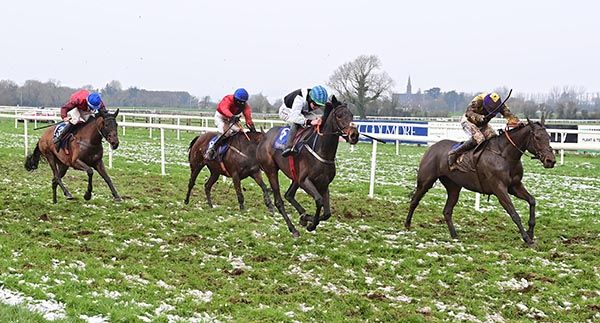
(58, 132)
(467, 161)
(222, 149)
(298, 142)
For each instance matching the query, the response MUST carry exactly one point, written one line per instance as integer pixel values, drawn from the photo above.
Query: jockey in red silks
(228, 114)
(80, 107)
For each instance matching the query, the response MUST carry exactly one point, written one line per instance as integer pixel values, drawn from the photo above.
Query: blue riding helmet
(319, 95)
(94, 101)
(241, 95)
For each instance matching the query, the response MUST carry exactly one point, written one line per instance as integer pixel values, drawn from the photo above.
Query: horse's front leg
(521, 192)
(102, 171)
(310, 188)
(90, 172)
(326, 206)
(290, 196)
(504, 198)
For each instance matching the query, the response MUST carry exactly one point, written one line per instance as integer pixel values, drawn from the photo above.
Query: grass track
(153, 258)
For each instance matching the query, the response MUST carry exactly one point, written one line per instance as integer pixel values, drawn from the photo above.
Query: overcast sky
(273, 47)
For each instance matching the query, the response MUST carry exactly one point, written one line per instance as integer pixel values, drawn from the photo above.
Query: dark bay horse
(85, 153)
(239, 162)
(498, 171)
(314, 164)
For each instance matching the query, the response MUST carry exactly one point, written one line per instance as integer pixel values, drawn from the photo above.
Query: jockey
(479, 112)
(298, 109)
(80, 107)
(228, 114)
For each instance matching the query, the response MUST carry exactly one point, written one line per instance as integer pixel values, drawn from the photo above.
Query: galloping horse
(497, 170)
(313, 168)
(85, 153)
(238, 163)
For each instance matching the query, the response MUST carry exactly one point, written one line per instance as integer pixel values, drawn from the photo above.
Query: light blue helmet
(319, 95)
(94, 101)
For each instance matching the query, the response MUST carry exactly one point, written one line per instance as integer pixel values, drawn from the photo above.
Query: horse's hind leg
(62, 170)
(237, 183)
(274, 181)
(258, 179)
(453, 191)
(102, 171)
(423, 185)
(214, 176)
(193, 176)
(57, 178)
(521, 192)
(90, 172)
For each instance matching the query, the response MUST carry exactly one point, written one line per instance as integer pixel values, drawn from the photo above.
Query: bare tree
(361, 81)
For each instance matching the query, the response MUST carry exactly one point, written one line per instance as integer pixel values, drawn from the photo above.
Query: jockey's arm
(248, 114)
(471, 112)
(509, 116)
(296, 115)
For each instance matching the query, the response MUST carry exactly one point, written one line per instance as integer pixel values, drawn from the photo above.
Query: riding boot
(456, 152)
(62, 136)
(211, 153)
(289, 143)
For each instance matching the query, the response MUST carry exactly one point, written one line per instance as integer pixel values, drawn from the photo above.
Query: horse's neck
(326, 145)
(519, 138)
(90, 131)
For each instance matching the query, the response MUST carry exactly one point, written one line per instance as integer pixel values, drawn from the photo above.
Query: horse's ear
(334, 101)
(117, 113)
(528, 121)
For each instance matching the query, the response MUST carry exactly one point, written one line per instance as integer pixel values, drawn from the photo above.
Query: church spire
(408, 86)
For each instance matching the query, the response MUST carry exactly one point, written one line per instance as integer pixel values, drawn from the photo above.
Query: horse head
(108, 127)
(539, 144)
(338, 118)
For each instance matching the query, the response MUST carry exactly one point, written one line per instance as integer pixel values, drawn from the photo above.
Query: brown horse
(238, 163)
(314, 164)
(497, 170)
(85, 153)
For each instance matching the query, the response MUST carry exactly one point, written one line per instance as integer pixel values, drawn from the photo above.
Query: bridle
(523, 152)
(339, 131)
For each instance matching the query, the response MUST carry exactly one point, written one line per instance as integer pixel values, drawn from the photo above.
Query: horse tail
(33, 160)
(190, 147)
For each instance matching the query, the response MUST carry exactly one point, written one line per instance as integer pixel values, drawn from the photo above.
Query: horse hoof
(303, 221)
(311, 227)
(69, 197)
(118, 199)
(87, 196)
(295, 234)
(186, 202)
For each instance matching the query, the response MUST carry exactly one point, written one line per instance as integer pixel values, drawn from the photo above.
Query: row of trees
(362, 83)
(368, 89)
(35, 93)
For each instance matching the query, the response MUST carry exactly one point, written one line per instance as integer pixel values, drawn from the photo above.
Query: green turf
(153, 258)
